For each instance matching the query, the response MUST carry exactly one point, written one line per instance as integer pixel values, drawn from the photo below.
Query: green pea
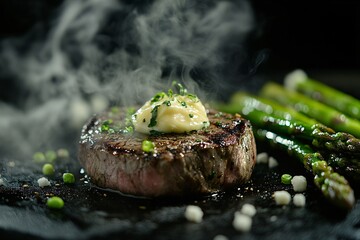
(286, 178)
(50, 155)
(48, 169)
(39, 157)
(68, 178)
(55, 203)
(148, 146)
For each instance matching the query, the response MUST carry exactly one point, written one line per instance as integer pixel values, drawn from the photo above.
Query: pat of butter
(175, 114)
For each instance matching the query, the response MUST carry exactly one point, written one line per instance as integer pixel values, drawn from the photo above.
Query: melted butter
(171, 114)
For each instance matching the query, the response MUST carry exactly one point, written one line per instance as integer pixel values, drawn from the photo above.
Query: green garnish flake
(184, 104)
(154, 113)
(55, 202)
(167, 103)
(219, 114)
(193, 97)
(181, 89)
(68, 178)
(148, 146)
(218, 123)
(286, 178)
(105, 126)
(158, 97)
(191, 115)
(48, 169)
(128, 129)
(206, 124)
(170, 93)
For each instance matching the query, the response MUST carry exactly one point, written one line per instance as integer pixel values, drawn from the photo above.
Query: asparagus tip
(293, 78)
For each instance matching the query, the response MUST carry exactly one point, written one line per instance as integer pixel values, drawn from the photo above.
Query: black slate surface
(92, 213)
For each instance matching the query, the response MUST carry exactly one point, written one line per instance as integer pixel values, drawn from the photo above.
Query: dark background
(318, 36)
(313, 35)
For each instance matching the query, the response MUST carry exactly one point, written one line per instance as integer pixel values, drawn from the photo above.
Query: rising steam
(101, 53)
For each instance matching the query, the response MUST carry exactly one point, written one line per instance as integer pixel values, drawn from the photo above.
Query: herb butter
(171, 113)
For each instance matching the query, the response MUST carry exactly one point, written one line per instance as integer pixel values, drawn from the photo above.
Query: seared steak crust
(219, 157)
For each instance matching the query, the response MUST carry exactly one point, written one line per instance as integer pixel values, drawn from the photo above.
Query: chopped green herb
(68, 178)
(158, 97)
(167, 103)
(148, 146)
(198, 140)
(184, 104)
(191, 115)
(219, 114)
(218, 123)
(181, 89)
(39, 157)
(170, 93)
(128, 129)
(286, 178)
(193, 97)
(48, 169)
(111, 131)
(105, 126)
(55, 202)
(154, 113)
(206, 124)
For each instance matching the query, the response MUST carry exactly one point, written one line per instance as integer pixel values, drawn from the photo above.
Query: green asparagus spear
(349, 166)
(300, 82)
(333, 186)
(320, 136)
(241, 99)
(270, 115)
(321, 112)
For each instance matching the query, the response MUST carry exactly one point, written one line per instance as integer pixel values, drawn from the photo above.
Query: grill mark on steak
(217, 158)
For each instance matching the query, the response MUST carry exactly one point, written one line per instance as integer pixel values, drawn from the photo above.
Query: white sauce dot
(282, 197)
(299, 200)
(194, 214)
(43, 182)
(299, 183)
(242, 222)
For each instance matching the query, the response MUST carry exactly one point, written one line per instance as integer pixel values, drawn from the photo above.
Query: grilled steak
(219, 157)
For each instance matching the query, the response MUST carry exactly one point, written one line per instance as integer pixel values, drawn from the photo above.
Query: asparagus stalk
(320, 136)
(321, 112)
(270, 115)
(241, 99)
(333, 186)
(300, 82)
(348, 166)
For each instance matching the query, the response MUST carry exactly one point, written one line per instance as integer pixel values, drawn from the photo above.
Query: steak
(219, 157)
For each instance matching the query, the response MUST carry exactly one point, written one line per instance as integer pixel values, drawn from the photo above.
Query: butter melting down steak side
(219, 157)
